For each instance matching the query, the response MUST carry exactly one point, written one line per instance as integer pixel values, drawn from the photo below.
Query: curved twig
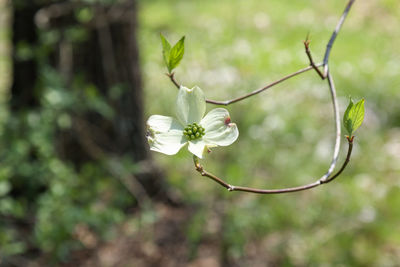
(308, 52)
(237, 99)
(312, 64)
(337, 127)
(327, 177)
(257, 91)
(350, 149)
(172, 78)
(230, 187)
(334, 35)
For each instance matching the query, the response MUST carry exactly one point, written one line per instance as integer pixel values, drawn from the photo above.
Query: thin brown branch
(275, 191)
(329, 45)
(336, 114)
(308, 52)
(203, 172)
(230, 187)
(334, 35)
(172, 78)
(350, 149)
(312, 64)
(327, 177)
(237, 99)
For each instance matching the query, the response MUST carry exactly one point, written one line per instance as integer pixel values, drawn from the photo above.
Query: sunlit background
(90, 216)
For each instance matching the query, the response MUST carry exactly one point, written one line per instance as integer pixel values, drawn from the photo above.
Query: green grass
(286, 134)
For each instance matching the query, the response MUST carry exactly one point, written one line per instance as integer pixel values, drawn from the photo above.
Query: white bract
(168, 135)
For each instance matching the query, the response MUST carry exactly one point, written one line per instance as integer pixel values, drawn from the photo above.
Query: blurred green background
(286, 139)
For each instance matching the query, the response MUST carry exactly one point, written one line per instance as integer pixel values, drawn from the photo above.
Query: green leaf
(346, 121)
(166, 51)
(176, 54)
(353, 116)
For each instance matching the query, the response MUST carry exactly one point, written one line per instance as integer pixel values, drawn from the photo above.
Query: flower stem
(327, 177)
(230, 187)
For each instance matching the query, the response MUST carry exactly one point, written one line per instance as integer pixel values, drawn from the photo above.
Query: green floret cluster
(193, 131)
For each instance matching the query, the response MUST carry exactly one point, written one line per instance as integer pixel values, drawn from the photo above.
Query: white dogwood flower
(168, 135)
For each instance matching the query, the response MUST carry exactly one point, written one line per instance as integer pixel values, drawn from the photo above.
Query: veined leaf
(354, 116)
(176, 54)
(166, 51)
(346, 120)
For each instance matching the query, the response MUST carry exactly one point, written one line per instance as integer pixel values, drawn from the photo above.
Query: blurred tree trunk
(106, 57)
(109, 59)
(25, 69)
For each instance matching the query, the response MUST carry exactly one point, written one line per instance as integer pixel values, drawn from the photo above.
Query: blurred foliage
(286, 134)
(44, 194)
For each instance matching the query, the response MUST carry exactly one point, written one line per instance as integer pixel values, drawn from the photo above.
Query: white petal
(168, 143)
(163, 124)
(190, 105)
(165, 134)
(218, 128)
(197, 147)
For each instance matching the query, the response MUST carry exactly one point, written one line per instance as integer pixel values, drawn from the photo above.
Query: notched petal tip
(219, 128)
(185, 88)
(227, 120)
(190, 105)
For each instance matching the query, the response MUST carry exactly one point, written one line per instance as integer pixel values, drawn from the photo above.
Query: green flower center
(193, 131)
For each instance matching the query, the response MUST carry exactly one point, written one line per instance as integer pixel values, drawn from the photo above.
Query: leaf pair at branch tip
(172, 55)
(353, 116)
